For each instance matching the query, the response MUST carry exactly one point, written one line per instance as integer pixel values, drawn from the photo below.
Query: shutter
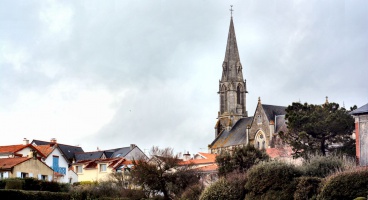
(39, 176)
(49, 177)
(30, 174)
(19, 174)
(6, 174)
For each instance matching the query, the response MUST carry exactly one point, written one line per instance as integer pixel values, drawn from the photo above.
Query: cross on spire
(231, 10)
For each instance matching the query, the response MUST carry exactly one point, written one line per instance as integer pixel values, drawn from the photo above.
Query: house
(100, 169)
(19, 150)
(67, 150)
(361, 134)
(205, 165)
(58, 162)
(130, 153)
(23, 167)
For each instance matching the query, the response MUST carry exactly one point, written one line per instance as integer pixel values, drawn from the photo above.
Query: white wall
(62, 163)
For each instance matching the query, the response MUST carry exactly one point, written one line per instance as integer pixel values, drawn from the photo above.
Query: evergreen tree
(318, 129)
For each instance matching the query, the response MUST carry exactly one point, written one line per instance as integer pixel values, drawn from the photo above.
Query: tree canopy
(240, 160)
(318, 129)
(163, 173)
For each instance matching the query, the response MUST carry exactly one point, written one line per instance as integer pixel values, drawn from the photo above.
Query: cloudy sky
(111, 73)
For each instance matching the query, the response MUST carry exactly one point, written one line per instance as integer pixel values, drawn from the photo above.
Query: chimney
(132, 146)
(53, 140)
(25, 141)
(186, 156)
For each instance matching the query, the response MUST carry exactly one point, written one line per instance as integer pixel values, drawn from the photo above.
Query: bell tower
(232, 86)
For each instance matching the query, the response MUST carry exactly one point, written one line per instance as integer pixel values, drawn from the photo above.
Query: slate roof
(9, 163)
(280, 124)
(235, 136)
(67, 150)
(361, 110)
(88, 155)
(121, 152)
(272, 111)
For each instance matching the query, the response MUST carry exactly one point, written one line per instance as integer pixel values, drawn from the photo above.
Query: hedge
(345, 185)
(307, 188)
(33, 195)
(272, 180)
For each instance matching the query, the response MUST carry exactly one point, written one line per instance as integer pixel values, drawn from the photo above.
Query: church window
(238, 93)
(259, 119)
(257, 145)
(263, 144)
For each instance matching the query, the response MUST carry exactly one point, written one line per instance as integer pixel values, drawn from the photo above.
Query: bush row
(33, 184)
(317, 179)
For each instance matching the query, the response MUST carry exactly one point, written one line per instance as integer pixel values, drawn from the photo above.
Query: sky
(107, 74)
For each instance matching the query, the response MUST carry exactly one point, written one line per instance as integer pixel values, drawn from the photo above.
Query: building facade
(234, 127)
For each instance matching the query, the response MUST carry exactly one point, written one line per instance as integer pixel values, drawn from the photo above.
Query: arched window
(261, 140)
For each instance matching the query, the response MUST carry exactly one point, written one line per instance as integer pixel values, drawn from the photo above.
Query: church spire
(232, 69)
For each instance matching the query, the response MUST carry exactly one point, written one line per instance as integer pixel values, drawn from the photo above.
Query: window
(238, 95)
(44, 177)
(79, 169)
(102, 167)
(24, 175)
(259, 119)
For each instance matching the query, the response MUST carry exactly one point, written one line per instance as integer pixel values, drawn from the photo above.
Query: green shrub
(272, 180)
(345, 185)
(360, 198)
(33, 195)
(31, 184)
(64, 187)
(50, 186)
(322, 166)
(230, 188)
(192, 192)
(307, 188)
(133, 194)
(2, 184)
(14, 184)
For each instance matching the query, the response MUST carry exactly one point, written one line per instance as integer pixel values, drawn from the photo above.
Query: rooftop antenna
(231, 10)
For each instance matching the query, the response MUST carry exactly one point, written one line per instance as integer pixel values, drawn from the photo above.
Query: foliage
(307, 188)
(33, 195)
(345, 185)
(192, 192)
(231, 187)
(32, 184)
(163, 173)
(14, 183)
(320, 166)
(315, 128)
(2, 184)
(241, 160)
(272, 180)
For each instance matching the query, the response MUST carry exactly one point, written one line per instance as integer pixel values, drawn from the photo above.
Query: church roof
(272, 111)
(235, 136)
(361, 110)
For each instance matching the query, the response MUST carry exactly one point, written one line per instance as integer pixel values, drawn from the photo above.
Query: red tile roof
(112, 162)
(207, 168)
(12, 148)
(279, 152)
(208, 158)
(8, 163)
(15, 148)
(45, 149)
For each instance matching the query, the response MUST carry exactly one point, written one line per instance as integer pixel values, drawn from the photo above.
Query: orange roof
(8, 163)
(207, 168)
(279, 152)
(45, 149)
(113, 162)
(208, 158)
(12, 148)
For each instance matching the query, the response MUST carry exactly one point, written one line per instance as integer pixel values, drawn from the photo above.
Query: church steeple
(232, 86)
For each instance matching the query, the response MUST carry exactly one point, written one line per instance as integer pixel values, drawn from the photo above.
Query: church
(234, 128)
